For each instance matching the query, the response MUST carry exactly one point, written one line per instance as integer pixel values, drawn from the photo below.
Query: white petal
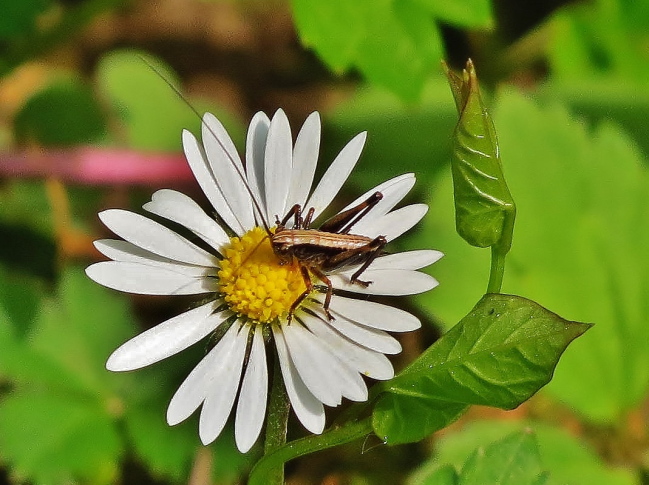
(255, 154)
(222, 392)
(278, 165)
(148, 280)
(393, 191)
(305, 159)
(155, 237)
(325, 376)
(373, 339)
(119, 250)
(394, 282)
(179, 208)
(227, 169)
(251, 408)
(205, 178)
(371, 314)
(167, 338)
(202, 379)
(392, 225)
(336, 175)
(307, 408)
(367, 362)
(407, 259)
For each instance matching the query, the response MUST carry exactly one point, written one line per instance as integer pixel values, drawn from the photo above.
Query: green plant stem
(261, 472)
(278, 409)
(497, 269)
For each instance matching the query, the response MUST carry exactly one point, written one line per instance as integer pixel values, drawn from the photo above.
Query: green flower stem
(261, 473)
(277, 420)
(500, 250)
(497, 270)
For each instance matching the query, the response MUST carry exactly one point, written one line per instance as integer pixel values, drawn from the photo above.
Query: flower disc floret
(252, 280)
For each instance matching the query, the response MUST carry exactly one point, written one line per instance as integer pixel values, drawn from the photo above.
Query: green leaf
(512, 461)
(64, 113)
(76, 335)
(484, 208)
(166, 451)
(499, 355)
(600, 39)
(152, 114)
(598, 100)
(19, 17)
(58, 423)
(53, 438)
(568, 460)
(19, 300)
(440, 475)
(395, 44)
(580, 249)
(321, 26)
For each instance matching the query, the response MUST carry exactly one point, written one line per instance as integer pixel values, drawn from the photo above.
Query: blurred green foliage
(574, 145)
(394, 44)
(566, 460)
(64, 113)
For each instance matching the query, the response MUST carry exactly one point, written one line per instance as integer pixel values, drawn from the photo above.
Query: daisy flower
(250, 290)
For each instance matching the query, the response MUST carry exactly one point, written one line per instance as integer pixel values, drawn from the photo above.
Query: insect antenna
(255, 203)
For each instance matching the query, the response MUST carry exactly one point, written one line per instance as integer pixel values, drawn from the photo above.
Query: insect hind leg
(309, 288)
(330, 290)
(374, 250)
(343, 222)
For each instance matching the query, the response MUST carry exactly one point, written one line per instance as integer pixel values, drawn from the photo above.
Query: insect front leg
(308, 218)
(296, 212)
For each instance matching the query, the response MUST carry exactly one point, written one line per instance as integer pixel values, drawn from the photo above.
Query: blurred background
(85, 124)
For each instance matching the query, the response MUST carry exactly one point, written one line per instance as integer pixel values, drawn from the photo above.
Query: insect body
(328, 248)
(316, 251)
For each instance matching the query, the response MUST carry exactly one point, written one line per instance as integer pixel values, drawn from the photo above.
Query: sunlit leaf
(395, 44)
(151, 113)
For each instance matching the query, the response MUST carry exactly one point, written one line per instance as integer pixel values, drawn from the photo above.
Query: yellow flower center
(252, 280)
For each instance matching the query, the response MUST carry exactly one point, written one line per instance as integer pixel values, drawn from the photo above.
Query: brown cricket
(316, 251)
(327, 248)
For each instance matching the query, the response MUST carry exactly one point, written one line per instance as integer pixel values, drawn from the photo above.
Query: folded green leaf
(484, 207)
(499, 355)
